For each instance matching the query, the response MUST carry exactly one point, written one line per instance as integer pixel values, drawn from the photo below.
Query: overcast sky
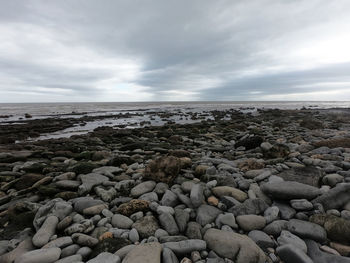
(129, 50)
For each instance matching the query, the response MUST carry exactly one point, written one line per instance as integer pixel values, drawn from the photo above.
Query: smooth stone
(168, 222)
(172, 239)
(105, 257)
(165, 209)
(307, 230)
(142, 188)
(288, 190)
(307, 175)
(249, 207)
(60, 242)
(197, 196)
(301, 204)
(84, 240)
(84, 203)
(149, 252)
(94, 210)
(186, 246)
(230, 191)
(169, 199)
(239, 248)
(332, 179)
(286, 211)
(271, 214)
(70, 259)
(226, 219)
(70, 250)
(89, 181)
(319, 256)
(275, 228)
(287, 237)
(122, 252)
(150, 197)
(84, 251)
(46, 231)
(47, 255)
(261, 239)
(182, 217)
(134, 235)
(168, 256)
(22, 248)
(251, 222)
(207, 214)
(291, 254)
(121, 221)
(335, 198)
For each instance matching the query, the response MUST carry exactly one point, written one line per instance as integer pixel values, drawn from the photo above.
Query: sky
(174, 50)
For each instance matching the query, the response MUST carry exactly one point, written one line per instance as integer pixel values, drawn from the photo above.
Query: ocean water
(141, 112)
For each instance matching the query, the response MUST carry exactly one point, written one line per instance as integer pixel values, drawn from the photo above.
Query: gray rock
(275, 228)
(70, 259)
(226, 219)
(23, 247)
(172, 239)
(287, 237)
(121, 221)
(121, 253)
(251, 222)
(84, 252)
(261, 239)
(197, 197)
(4, 245)
(290, 190)
(332, 179)
(168, 222)
(106, 195)
(68, 184)
(59, 242)
(286, 211)
(142, 188)
(84, 203)
(48, 255)
(46, 231)
(239, 248)
(271, 214)
(319, 256)
(150, 252)
(150, 197)
(165, 209)
(146, 226)
(84, 226)
(105, 257)
(168, 256)
(161, 188)
(109, 171)
(182, 217)
(89, 181)
(249, 207)
(186, 246)
(169, 199)
(335, 198)
(206, 214)
(307, 230)
(306, 175)
(84, 240)
(134, 235)
(70, 250)
(301, 204)
(292, 254)
(193, 230)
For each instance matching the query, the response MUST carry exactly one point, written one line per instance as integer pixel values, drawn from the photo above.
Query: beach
(211, 185)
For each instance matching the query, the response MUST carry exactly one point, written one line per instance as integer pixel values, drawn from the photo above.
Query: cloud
(149, 50)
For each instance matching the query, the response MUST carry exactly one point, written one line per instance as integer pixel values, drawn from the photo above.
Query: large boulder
(239, 248)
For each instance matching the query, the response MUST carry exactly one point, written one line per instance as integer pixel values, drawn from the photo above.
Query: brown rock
(132, 207)
(164, 169)
(212, 200)
(28, 180)
(343, 250)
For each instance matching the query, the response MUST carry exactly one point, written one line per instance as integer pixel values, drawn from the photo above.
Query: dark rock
(146, 226)
(307, 230)
(164, 169)
(193, 230)
(319, 256)
(306, 175)
(28, 180)
(249, 207)
(250, 142)
(291, 254)
(133, 206)
(110, 245)
(335, 197)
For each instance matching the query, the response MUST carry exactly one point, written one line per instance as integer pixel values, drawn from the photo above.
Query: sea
(142, 112)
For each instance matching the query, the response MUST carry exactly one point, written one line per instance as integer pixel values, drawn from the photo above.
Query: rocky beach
(228, 187)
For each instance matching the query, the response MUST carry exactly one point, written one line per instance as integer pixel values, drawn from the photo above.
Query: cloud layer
(143, 50)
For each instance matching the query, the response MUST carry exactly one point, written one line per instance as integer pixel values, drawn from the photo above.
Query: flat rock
(307, 230)
(239, 248)
(290, 190)
(149, 252)
(142, 188)
(89, 181)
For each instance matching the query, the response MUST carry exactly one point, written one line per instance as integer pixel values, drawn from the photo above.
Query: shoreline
(273, 186)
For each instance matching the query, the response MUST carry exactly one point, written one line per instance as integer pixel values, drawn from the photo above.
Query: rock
(121, 253)
(84, 240)
(271, 214)
(46, 231)
(332, 179)
(182, 217)
(89, 181)
(249, 207)
(234, 246)
(168, 256)
(230, 191)
(226, 219)
(132, 207)
(169, 199)
(290, 190)
(318, 256)
(150, 252)
(292, 254)
(307, 230)
(146, 226)
(86, 202)
(343, 250)
(106, 195)
(69, 259)
(334, 198)
(206, 214)
(286, 211)
(197, 197)
(193, 230)
(110, 245)
(48, 255)
(105, 257)
(275, 228)
(164, 169)
(250, 142)
(261, 239)
(121, 221)
(337, 228)
(251, 222)
(168, 223)
(134, 235)
(27, 180)
(306, 175)
(150, 197)
(186, 246)
(301, 204)
(142, 188)
(60, 242)
(212, 200)
(22, 248)
(165, 209)
(288, 238)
